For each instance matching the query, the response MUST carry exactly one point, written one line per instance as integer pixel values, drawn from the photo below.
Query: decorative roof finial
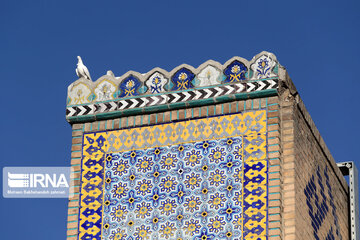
(110, 73)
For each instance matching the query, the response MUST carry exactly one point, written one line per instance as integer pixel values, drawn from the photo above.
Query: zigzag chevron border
(170, 98)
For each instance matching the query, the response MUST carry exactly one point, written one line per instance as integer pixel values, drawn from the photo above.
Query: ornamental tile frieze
(185, 83)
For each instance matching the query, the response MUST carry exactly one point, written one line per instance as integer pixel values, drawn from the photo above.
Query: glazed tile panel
(195, 179)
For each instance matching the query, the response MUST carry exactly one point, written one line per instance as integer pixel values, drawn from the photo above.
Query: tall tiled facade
(218, 152)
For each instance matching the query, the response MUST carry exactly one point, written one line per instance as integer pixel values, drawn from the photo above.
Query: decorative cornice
(159, 90)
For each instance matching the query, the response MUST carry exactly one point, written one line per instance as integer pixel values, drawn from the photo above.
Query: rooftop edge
(136, 93)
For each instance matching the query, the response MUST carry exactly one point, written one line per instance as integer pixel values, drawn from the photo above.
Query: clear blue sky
(317, 41)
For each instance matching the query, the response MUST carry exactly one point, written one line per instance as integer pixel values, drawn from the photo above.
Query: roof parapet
(159, 87)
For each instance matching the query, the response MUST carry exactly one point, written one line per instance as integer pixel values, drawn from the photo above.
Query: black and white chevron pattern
(169, 98)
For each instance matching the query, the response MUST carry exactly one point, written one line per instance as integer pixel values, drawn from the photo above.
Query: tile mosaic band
(171, 98)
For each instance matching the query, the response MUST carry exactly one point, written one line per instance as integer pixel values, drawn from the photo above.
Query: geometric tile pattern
(316, 192)
(197, 179)
(170, 98)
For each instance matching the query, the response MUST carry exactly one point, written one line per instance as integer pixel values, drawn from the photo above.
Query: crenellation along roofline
(237, 78)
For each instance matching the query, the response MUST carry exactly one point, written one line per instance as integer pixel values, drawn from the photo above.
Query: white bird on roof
(82, 70)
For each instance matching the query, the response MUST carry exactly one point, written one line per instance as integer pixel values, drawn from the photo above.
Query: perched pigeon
(82, 70)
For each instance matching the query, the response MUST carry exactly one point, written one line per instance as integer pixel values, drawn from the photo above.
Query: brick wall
(314, 192)
(271, 104)
(307, 194)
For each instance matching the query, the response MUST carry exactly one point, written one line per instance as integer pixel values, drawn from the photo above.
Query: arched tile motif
(182, 79)
(105, 90)
(79, 94)
(209, 76)
(263, 67)
(129, 86)
(235, 72)
(156, 83)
